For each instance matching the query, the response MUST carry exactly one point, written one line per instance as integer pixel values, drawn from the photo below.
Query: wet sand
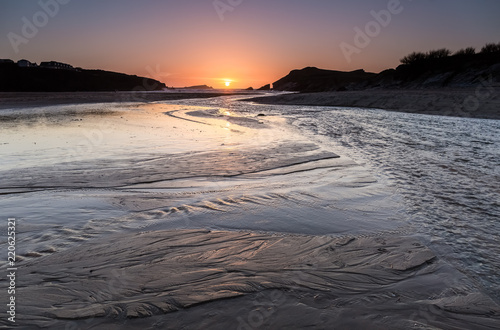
(32, 99)
(187, 217)
(483, 102)
(238, 280)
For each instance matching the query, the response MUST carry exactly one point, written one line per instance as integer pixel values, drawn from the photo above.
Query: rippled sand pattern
(194, 213)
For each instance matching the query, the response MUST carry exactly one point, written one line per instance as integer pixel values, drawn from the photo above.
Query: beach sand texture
(298, 236)
(249, 280)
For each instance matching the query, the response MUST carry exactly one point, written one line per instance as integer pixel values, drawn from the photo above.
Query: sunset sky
(247, 42)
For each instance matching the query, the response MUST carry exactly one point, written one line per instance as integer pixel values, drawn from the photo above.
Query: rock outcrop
(203, 87)
(312, 79)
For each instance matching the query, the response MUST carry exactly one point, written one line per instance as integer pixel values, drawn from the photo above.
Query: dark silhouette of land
(463, 84)
(457, 71)
(51, 78)
(312, 79)
(265, 88)
(198, 87)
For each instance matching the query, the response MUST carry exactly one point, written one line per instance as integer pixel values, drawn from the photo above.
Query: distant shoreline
(34, 99)
(470, 103)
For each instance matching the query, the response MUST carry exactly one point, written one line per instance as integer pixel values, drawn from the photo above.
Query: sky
(242, 43)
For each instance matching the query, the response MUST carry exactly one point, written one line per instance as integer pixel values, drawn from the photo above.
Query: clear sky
(250, 42)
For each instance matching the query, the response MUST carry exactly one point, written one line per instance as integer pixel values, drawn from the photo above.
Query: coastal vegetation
(416, 58)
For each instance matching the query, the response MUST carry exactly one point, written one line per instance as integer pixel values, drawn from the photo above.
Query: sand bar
(482, 102)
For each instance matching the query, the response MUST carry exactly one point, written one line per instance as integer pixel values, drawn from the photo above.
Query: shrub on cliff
(491, 48)
(466, 51)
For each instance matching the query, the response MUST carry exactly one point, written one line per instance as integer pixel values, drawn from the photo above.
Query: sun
(227, 83)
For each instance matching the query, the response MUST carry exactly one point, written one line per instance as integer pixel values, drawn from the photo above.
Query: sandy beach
(241, 280)
(171, 216)
(37, 99)
(482, 102)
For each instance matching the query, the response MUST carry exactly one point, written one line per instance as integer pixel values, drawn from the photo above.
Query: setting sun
(227, 83)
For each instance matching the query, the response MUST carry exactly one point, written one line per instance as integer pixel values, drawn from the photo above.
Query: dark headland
(464, 84)
(199, 87)
(25, 76)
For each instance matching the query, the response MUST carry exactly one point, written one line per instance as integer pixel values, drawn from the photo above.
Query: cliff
(458, 71)
(39, 79)
(312, 79)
